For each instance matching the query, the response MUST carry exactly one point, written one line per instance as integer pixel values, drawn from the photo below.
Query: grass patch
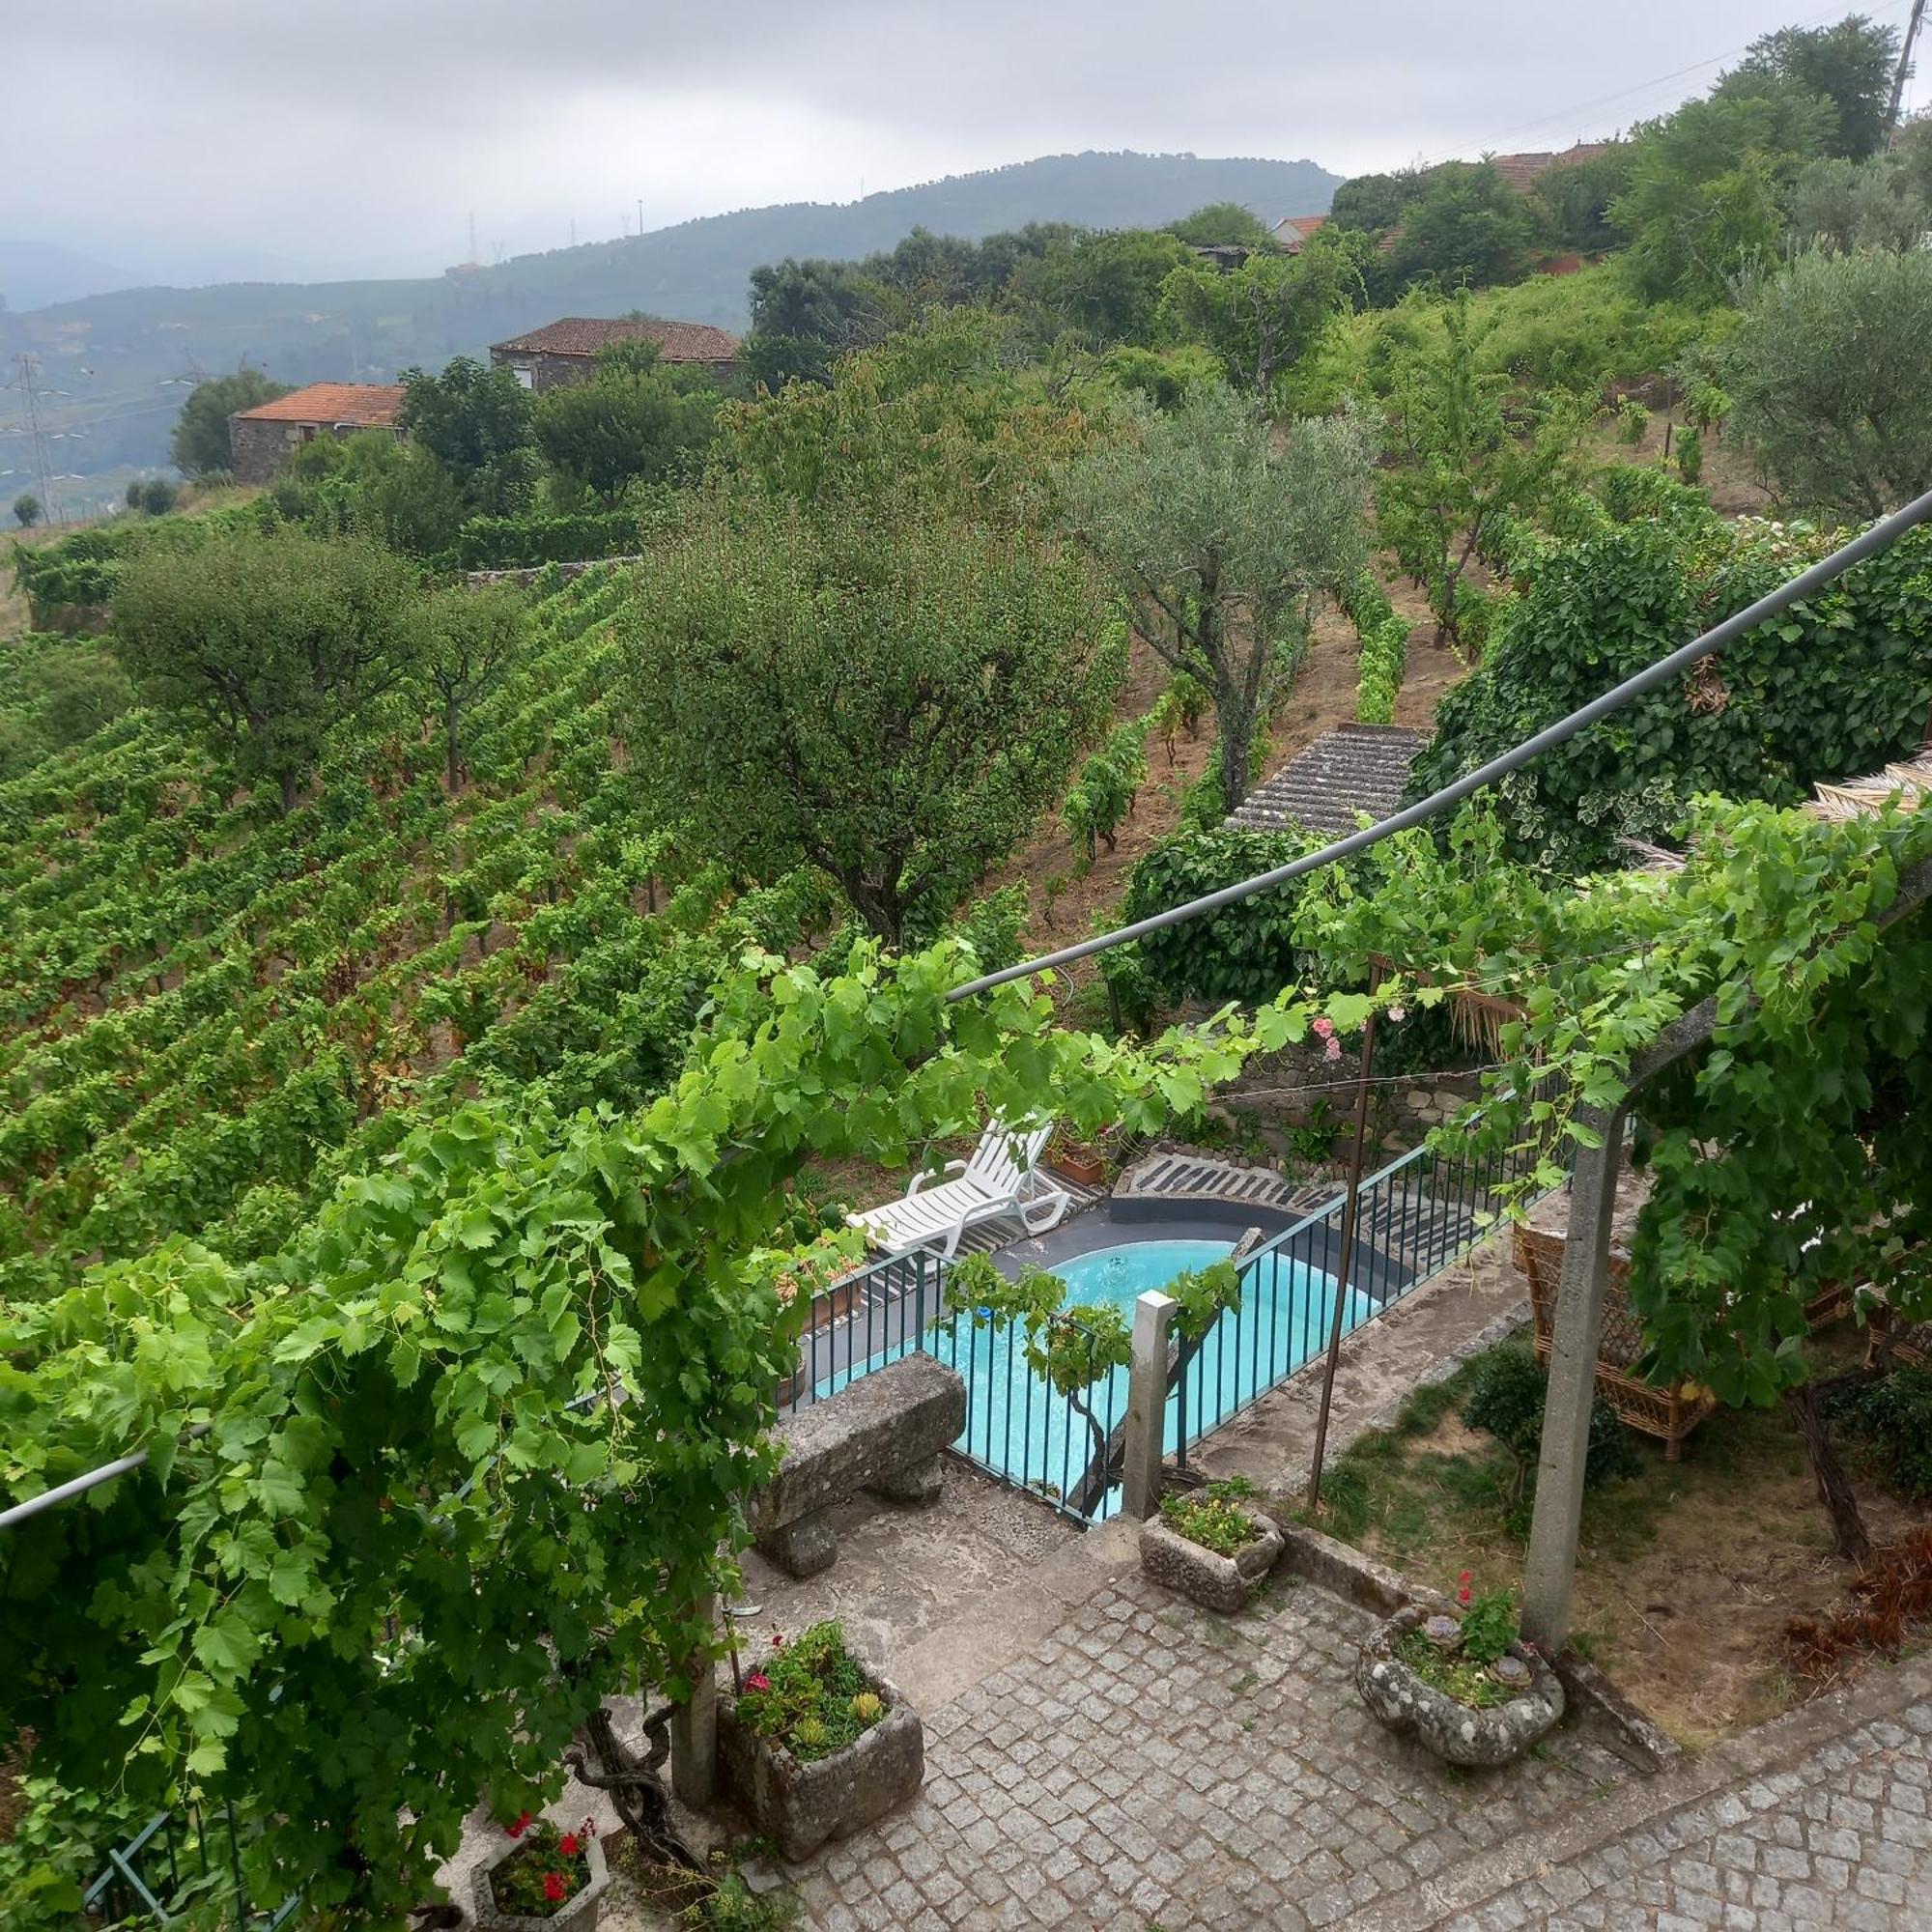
(1688, 1572)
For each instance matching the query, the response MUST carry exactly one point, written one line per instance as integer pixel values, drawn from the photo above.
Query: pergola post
(1572, 1381)
(694, 1726)
(1147, 1406)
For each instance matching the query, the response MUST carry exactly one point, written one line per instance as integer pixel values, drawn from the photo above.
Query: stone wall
(258, 447)
(525, 575)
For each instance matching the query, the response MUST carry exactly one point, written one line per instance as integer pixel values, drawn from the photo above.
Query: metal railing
(175, 1863)
(1416, 1216)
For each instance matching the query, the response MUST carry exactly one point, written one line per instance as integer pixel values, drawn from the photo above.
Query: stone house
(263, 439)
(566, 350)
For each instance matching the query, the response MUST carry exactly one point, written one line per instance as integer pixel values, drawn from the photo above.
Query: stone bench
(884, 1433)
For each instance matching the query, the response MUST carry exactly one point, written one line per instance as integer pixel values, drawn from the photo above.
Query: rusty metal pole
(1351, 1206)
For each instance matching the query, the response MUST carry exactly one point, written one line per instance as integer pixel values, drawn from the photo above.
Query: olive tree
(1827, 376)
(895, 699)
(1222, 532)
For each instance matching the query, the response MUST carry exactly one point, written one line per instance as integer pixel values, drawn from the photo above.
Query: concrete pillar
(694, 1726)
(1147, 1405)
(1573, 1382)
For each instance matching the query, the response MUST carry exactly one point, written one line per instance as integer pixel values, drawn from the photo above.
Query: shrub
(1213, 1517)
(1690, 455)
(513, 543)
(1488, 1627)
(1384, 649)
(1895, 1414)
(1506, 1397)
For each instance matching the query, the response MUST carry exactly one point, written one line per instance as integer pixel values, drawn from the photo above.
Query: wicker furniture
(1669, 1414)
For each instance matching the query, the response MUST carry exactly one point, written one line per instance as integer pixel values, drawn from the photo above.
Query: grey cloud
(365, 131)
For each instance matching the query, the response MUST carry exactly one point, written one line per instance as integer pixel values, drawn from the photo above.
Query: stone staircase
(1180, 1174)
(1354, 768)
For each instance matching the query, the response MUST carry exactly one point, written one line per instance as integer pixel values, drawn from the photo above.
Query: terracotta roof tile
(369, 405)
(586, 334)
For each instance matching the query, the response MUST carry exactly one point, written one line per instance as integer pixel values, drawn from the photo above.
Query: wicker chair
(1671, 1413)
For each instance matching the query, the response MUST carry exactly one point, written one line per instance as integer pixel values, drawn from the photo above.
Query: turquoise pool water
(1018, 1424)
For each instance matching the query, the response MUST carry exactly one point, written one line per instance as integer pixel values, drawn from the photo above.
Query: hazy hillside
(116, 361)
(34, 273)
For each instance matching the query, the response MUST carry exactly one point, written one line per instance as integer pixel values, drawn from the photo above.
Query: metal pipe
(1880, 534)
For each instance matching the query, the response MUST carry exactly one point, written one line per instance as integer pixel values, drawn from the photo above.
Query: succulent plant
(810, 1732)
(868, 1707)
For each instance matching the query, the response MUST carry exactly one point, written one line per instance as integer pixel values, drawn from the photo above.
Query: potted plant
(817, 1745)
(1084, 1161)
(1210, 1544)
(547, 1877)
(1470, 1691)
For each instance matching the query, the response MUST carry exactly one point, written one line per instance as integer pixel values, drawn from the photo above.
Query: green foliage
(1708, 190)
(1103, 289)
(1506, 1400)
(813, 1698)
(993, 925)
(805, 315)
(1633, 420)
(1488, 1627)
(1466, 230)
(1221, 532)
(1242, 952)
(1893, 1412)
(1461, 1678)
(1383, 637)
(1221, 222)
(199, 446)
(1103, 795)
(1574, 200)
(54, 693)
(636, 421)
(894, 702)
(1211, 1517)
(1201, 1296)
(370, 485)
(1164, 377)
(474, 637)
(1847, 206)
(27, 510)
(271, 640)
(1849, 67)
(509, 543)
(1265, 316)
(1689, 454)
(1837, 686)
(1183, 702)
(1462, 457)
(479, 425)
(1825, 375)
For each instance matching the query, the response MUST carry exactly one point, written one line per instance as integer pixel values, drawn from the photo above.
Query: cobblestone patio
(1151, 1765)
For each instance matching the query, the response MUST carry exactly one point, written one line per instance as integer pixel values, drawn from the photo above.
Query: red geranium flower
(568, 1845)
(758, 1681)
(521, 1826)
(777, 1642)
(1463, 1589)
(553, 1886)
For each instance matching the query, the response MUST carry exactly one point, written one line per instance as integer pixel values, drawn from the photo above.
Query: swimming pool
(1019, 1425)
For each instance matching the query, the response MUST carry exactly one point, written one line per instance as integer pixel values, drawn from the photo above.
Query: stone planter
(800, 1805)
(1214, 1581)
(577, 1915)
(1454, 1731)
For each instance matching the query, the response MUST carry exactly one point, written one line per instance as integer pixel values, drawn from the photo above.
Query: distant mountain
(35, 273)
(120, 358)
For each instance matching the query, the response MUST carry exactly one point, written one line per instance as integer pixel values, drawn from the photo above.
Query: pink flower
(1398, 1014)
(1332, 1051)
(553, 1886)
(1325, 1027)
(758, 1681)
(518, 1829)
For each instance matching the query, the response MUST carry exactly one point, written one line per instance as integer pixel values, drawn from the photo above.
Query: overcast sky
(192, 139)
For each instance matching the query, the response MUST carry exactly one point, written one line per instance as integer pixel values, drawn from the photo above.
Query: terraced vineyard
(208, 1012)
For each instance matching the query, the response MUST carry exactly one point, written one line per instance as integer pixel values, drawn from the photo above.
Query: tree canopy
(895, 701)
(199, 446)
(478, 424)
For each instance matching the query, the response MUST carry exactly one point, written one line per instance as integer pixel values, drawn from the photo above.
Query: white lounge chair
(1002, 1178)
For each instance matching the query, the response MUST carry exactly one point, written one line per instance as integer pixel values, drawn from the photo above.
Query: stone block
(802, 1805)
(1455, 1732)
(577, 1915)
(1204, 1577)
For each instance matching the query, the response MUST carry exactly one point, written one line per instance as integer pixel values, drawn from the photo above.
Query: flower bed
(549, 1877)
(1416, 1675)
(816, 1744)
(1209, 1546)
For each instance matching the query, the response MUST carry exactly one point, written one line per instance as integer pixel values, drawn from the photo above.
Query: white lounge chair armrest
(925, 1180)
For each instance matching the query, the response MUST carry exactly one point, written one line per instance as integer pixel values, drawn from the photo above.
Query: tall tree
(1849, 65)
(1222, 535)
(1265, 316)
(1102, 288)
(1827, 376)
(473, 638)
(1461, 460)
(893, 701)
(805, 315)
(199, 446)
(1468, 229)
(478, 424)
(270, 639)
(27, 511)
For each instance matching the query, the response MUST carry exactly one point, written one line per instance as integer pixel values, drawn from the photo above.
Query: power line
(1903, 69)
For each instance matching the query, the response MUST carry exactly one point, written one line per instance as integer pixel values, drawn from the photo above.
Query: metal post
(1350, 1209)
(1147, 1405)
(693, 1725)
(1572, 1381)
